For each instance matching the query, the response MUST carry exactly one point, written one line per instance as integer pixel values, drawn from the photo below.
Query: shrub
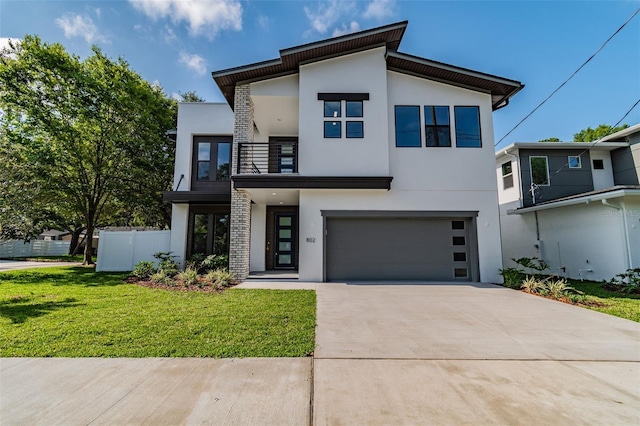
(144, 269)
(167, 263)
(220, 278)
(626, 282)
(512, 277)
(189, 276)
(213, 262)
(559, 288)
(533, 285)
(161, 277)
(195, 261)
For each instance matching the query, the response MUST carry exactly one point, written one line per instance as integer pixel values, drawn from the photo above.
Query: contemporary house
(344, 159)
(575, 205)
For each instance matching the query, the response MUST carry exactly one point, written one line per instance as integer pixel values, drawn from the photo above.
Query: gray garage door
(432, 249)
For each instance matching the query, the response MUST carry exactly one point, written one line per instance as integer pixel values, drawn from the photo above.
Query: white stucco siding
(197, 118)
(258, 237)
(363, 72)
(508, 195)
(518, 232)
(311, 222)
(632, 211)
(179, 228)
(440, 168)
(602, 178)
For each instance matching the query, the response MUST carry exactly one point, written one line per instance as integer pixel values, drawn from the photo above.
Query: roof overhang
(389, 36)
(622, 134)
(594, 196)
(604, 146)
(195, 197)
(311, 182)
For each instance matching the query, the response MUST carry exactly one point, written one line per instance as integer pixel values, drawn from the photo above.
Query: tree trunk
(75, 239)
(88, 246)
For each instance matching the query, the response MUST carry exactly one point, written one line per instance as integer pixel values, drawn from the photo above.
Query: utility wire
(572, 75)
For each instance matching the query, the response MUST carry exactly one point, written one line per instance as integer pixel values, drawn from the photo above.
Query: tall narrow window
(507, 175)
(539, 170)
(212, 158)
(437, 129)
(468, 127)
(204, 160)
(210, 233)
(408, 126)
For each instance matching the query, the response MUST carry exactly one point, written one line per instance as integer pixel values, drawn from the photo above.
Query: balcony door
(283, 152)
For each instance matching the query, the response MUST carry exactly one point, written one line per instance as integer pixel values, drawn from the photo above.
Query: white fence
(121, 250)
(18, 248)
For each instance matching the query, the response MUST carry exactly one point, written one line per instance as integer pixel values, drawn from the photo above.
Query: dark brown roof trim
(195, 197)
(311, 182)
(343, 96)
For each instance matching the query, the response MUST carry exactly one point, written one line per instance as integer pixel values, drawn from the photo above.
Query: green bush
(512, 277)
(626, 282)
(189, 276)
(167, 264)
(144, 269)
(220, 278)
(161, 277)
(533, 285)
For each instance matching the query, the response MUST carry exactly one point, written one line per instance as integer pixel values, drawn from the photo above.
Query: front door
(282, 237)
(285, 240)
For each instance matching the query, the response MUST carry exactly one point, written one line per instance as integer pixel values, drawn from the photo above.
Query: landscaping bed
(76, 312)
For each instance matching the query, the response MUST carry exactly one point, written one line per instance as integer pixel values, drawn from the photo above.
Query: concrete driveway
(461, 354)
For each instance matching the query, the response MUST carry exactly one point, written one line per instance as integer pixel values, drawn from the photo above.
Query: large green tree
(83, 143)
(591, 135)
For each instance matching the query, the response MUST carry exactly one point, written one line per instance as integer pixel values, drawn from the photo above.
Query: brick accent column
(240, 232)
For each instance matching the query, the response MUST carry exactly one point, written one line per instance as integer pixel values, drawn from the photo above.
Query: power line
(570, 77)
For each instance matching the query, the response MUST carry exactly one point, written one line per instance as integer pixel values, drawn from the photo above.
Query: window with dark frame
(407, 121)
(468, 127)
(437, 127)
(210, 233)
(598, 164)
(333, 109)
(539, 170)
(212, 158)
(355, 129)
(332, 129)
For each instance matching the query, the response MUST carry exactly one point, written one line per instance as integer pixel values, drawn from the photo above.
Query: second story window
(437, 129)
(354, 129)
(468, 126)
(212, 158)
(507, 175)
(333, 129)
(539, 170)
(340, 109)
(408, 126)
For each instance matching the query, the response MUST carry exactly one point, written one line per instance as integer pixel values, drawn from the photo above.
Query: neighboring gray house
(575, 205)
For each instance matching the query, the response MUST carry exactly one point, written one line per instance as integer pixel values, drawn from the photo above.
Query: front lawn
(76, 312)
(618, 304)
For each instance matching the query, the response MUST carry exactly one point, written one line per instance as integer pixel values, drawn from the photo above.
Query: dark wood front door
(282, 238)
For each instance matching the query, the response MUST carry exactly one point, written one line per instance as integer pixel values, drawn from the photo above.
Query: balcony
(275, 157)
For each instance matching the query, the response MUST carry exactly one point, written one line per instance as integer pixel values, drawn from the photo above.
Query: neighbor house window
(507, 175)
(598, 164)
(468, 126)
(408, 126)
(574, 162)
(436, 126)
(539, 170)
(212, 158)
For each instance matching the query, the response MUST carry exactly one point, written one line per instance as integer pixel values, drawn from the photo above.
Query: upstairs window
(539, 170)
(507, 175)
(574, 162)
(333, 109)
(212, 158)
(352, 105)
(468, 127)
(408, 126)
(437, 129)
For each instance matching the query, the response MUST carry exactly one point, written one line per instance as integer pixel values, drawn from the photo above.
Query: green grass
(618, 304)
(76, 312)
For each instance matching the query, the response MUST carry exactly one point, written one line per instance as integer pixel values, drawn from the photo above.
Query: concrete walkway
(385, 354)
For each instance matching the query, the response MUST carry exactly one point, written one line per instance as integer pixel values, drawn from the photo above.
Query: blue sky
(177, 43)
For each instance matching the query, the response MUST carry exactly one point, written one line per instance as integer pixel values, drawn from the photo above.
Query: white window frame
(579, 166)
(531, 170)
(507, 175)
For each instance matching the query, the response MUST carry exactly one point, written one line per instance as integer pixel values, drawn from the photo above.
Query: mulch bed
(620, 289)
(178, 286)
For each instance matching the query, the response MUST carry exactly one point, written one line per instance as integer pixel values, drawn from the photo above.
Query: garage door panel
(396, 249)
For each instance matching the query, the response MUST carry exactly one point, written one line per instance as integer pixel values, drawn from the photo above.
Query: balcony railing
(279, 157)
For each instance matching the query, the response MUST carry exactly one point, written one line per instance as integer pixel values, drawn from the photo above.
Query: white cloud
(327, 13)
(194, 62)
(176, 96)
(380, 9)
(206, 17)
(169, 35)
(80, 26)
(351, 28)
(263, 21)
(98, 12)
